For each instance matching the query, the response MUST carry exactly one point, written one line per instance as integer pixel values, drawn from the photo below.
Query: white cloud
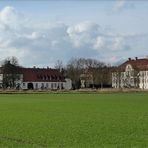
(11, 19)
(8, 15)
(119, 4)
(100, 43)
(43, 43)
(123, 4)
(83, 34)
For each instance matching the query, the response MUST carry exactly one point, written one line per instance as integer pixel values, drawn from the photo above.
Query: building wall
(143, 80)
(115, 80)
(68, 84)
(42, 85)
(48, 85)
(122, 80)
(1, 80)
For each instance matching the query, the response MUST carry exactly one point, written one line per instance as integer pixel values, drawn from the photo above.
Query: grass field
(74, 120)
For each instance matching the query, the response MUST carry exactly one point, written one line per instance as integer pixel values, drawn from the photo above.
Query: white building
(131, 74)
(40, 78)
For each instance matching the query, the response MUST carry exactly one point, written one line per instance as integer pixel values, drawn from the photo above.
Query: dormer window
(55, 77)
(52, 77)
(44, 77)
(129, 68)
(41, 77)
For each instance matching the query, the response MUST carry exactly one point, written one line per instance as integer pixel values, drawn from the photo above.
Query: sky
(40, 32)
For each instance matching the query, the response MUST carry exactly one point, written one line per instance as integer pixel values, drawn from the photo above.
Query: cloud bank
(42, 43)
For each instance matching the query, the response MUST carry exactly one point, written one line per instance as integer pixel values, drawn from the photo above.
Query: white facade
(130, 78)
(67, 84)
(1, 80)
(47, 85)
(143, 79)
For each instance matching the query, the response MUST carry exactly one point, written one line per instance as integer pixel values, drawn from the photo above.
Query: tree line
(100, 72)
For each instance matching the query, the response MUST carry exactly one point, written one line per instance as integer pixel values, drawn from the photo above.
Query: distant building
(97, 77)
(131, 74)
(86, 79)
(40, 78)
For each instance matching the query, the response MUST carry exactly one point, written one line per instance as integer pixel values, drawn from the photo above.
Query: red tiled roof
(41, 75)
(140, 64)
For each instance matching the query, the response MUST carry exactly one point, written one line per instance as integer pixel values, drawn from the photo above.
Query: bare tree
(59, 65)
(10, 70)
(96, 70)
(73, 71)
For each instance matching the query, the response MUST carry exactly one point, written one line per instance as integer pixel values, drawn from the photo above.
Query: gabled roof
(39, 74)
(139, 64)
(42, 75)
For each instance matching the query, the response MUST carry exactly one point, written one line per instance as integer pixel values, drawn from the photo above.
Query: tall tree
(59, 65)
(98, 71)
(73, 71)
(10, 70)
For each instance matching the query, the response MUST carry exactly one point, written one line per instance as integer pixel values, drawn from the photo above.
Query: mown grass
(118, 120)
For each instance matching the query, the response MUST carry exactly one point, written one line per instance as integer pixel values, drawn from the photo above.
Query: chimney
(129, 59)
(136, 58)
(34, 67)
(47, 67)
(8, 62)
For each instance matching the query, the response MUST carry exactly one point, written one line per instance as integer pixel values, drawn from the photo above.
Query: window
(36, 85)
(44, 77)
(53, 78)
(60, 78)
(41, 77)
(51, 85)
(48, 77)
(23, 84)
(42, 84)
(46, 85)
(62, 86)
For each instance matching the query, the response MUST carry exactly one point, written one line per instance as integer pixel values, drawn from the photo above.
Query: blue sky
(42, 32)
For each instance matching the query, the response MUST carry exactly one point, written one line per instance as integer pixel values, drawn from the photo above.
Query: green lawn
(74, 120)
